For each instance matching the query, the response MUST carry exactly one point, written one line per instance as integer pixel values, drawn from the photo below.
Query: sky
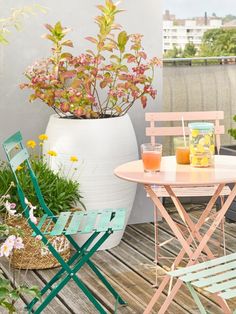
(191, 8)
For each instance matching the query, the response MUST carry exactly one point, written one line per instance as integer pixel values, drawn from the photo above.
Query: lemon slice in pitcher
(205, 162)
(195, 133)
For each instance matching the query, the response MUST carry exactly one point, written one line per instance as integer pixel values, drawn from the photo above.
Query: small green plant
(232, 131)
(60, 192)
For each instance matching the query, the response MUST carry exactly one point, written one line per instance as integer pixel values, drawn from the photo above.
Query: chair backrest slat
(155, 118)
(190, 116)
(12, 142)
(176, 131)
(19, 158)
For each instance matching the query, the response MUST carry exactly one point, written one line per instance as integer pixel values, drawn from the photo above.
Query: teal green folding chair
(214, 276)
(102, 223)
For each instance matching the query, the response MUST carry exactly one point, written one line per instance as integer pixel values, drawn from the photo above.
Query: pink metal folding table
(171, 176)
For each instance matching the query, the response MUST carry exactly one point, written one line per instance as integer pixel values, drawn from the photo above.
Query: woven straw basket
(35, 255)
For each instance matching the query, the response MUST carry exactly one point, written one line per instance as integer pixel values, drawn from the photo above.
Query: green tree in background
(218, 42)
(173, 53)
(189, 51)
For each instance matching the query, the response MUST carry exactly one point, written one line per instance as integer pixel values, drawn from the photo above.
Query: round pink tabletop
(224, 171)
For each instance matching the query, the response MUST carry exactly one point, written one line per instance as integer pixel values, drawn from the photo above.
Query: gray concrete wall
(201, 88)
(25, 47)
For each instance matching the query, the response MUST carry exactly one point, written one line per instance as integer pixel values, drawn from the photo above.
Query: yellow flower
(43, 137)
(19, 168)
(52, 153)
(73, 159)
(31, 144)
(195, 133)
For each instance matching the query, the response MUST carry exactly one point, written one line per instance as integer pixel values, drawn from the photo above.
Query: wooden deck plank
(55, 307)
(136, 286)
(183, 295)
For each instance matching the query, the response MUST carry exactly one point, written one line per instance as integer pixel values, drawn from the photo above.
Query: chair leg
(89, 295)
(51, 295)
(196, 298)
(156, 240)
(222, 199)
(106, 283)
(84, 258)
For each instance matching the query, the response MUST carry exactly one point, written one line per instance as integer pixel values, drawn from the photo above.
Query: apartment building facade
(179, 32)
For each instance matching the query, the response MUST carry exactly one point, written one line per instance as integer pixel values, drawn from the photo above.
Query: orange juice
(182, 155)
(151, 161)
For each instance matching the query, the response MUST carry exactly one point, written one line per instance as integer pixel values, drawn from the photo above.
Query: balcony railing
(200, 61)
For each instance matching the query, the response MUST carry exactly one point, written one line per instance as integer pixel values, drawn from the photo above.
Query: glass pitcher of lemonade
(201, 144)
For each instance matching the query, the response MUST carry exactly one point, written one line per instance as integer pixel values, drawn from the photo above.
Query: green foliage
(10, 294)
(219, 42)
(60, 193)
(232, 131)
(173, 53)
(71, 85)
(15, 20)
(189, 51)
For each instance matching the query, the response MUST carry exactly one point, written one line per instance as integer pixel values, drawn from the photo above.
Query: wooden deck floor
(129, 267)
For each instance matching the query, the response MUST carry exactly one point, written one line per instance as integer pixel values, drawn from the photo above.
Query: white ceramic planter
(100, 145)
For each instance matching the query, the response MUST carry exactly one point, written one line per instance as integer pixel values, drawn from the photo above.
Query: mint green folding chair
(106, 222)
(214, 276)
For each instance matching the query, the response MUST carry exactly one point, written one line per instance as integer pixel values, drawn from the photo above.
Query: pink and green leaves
(75, 85)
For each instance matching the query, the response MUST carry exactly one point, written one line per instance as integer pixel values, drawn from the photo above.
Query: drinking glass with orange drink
(151, 156)
(182, 151)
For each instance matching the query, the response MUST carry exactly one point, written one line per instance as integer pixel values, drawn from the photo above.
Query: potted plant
(92, 94)
(60, 193)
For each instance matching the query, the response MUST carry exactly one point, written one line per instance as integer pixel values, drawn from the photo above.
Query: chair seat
(82, 222)
(192, 191)
(215, 276)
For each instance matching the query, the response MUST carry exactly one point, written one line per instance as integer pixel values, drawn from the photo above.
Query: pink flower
(31, 211)
(38, 237)
(140, 69)
(10, 208)
(10, 241)
(31, 215)
(18, 244)
(5, 249)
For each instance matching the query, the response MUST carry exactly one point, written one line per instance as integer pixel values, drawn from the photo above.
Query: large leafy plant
(99, 83)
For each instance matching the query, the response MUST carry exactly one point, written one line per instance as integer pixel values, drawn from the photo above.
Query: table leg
(186, 244)
(198, 251)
